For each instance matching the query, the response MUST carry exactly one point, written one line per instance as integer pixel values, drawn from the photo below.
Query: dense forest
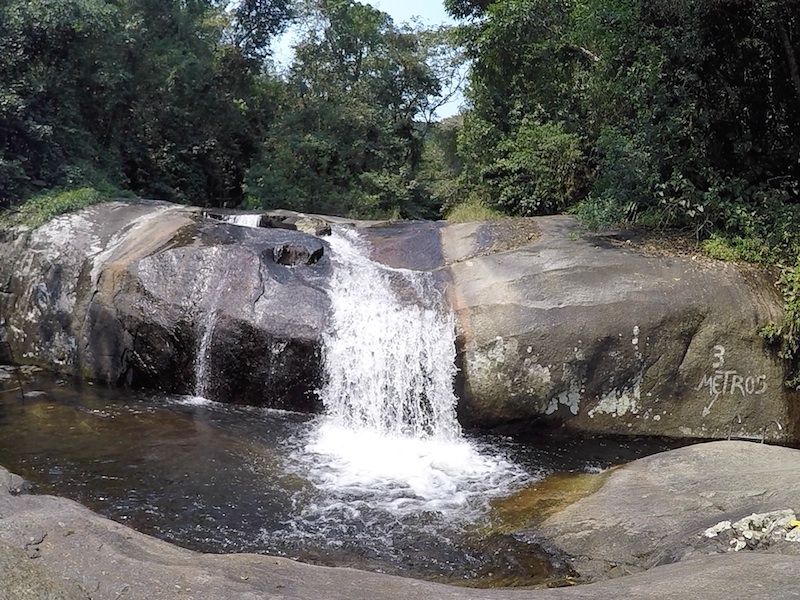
(666, 113)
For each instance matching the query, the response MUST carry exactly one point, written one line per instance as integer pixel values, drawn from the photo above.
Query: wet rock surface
(555, 326)
(601, 336)
(126, 292)
(54, 548)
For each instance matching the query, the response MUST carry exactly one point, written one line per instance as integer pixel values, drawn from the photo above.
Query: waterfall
(207, 291)
(389, 439)
(202, 356)
(389, 349)
(243, 220)
(388, 442)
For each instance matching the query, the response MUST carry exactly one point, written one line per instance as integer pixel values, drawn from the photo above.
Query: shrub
(40, 209)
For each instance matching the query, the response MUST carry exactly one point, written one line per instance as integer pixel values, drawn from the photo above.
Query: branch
(793, 70)
(587, 53)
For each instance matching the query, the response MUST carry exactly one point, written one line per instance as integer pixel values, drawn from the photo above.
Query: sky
(426, 12)
(430, 12)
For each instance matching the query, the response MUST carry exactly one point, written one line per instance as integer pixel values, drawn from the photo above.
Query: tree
(685, 112)
(167, 99)
(350, 138)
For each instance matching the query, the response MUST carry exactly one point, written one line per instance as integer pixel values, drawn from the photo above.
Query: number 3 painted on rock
(719, 354)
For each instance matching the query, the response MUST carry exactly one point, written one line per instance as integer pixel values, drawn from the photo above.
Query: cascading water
(389, 360)
(210, 292)
(202, 356)
(390, 440)
(243, 220)
(385, 471)
(207, 291)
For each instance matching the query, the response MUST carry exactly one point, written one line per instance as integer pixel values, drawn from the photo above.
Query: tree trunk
(794, 72)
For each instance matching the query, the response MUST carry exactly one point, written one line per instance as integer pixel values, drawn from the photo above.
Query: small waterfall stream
(202, 356)
(212, 291)
(389, 350)
(207, 293)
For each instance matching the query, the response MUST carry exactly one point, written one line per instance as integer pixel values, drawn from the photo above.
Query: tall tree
(350, 140)
(167, 98)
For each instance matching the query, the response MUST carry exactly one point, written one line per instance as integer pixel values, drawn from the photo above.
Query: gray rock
(125, 293)
(659, 510)
(554, 327)
(602, 338)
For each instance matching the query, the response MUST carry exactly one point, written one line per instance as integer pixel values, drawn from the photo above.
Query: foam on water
(405, 475)
(194, 401)
(390, 440)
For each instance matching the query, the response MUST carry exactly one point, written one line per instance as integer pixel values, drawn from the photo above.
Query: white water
(389, 349)
(243, 220)
(207, 291)
(390, 439)
(202, 356)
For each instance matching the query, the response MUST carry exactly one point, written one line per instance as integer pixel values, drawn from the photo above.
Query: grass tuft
(44, 207)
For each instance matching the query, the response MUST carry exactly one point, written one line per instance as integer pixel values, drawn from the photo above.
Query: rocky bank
(595, 334)
(556, 326)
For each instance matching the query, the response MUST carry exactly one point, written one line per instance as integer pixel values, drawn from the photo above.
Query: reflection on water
(223, 478)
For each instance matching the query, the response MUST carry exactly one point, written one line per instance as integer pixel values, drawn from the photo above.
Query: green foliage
(349, 135)
(468, 212)
(785, 336)
(540, 170)
(440, 165)
(43, 207)
(686, 112)
(626, 177)
(165, 98)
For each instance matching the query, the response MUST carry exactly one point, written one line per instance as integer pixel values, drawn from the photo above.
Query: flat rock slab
(655, 510)
(55, 548)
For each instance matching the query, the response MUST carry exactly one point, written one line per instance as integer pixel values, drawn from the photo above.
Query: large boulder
(680, 505)
(555, 326)
(595, 334)
(154, 295)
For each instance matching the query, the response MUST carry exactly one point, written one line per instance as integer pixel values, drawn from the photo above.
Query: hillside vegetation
(665, 113)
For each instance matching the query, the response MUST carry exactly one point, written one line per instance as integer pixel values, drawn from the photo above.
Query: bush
(468, 212)
(625, 183)
(40, 209)
(541, 170)
(785, 336)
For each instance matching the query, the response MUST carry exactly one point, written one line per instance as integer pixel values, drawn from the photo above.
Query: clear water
(224, 478)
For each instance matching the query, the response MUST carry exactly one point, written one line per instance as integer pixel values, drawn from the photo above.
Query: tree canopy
(666, 112)
(679, 112)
